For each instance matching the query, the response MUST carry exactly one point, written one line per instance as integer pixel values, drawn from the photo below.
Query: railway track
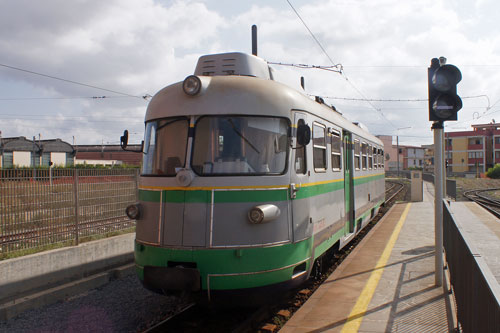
(479, 196)
(395, 188)
(195, 318)
(62, 231)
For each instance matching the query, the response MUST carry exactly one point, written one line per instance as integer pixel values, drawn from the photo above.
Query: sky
(83, 70)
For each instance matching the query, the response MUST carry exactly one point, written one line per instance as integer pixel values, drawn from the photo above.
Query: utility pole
(397, 151)
(437, 127)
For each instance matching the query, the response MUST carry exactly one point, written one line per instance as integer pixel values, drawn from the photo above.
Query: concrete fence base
(37, 272)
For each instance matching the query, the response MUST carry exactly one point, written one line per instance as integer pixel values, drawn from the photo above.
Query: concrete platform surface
(387, 284)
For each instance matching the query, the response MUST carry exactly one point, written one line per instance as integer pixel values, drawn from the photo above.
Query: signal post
(444, 103)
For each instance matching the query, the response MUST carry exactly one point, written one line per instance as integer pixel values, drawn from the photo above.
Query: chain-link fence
(48, 206)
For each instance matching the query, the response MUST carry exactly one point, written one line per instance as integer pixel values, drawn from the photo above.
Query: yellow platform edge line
(357, 313)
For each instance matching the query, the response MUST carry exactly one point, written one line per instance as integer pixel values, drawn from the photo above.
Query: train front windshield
(165, 144)
(222, 145)
(232, 145)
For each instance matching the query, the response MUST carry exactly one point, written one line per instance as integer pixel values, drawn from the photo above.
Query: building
(428, 158)
(408, 156)
(21, 152)
(108, 154)
(390, 152)
(473, 151)
(413, 157)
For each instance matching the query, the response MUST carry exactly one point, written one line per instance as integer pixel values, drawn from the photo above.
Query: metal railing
(47, 206)
(451, 184)
(476, 289)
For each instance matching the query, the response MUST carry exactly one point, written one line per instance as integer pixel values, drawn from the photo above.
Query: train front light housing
(191, 85)
(255, 215)
(133, 211)
(263, 214)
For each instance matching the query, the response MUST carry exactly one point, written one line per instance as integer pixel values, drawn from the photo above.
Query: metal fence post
(75, 190)
(137, 173)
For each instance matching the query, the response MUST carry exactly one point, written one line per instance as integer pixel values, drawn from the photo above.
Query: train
(247, 183)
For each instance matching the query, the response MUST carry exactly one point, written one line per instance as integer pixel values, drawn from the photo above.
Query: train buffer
(388, 283)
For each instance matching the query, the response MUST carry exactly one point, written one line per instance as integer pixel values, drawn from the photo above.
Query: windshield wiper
(241, 135)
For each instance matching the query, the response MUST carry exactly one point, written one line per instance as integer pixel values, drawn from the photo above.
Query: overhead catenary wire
(305, 66)
(389, 99)
(65, 98)
(313, 36)
(69, 81)
(341, 71)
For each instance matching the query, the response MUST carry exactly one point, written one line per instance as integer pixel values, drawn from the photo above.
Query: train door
(348, 181)
(299, 176)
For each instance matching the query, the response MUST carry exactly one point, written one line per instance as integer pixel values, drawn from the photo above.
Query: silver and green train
(247, 182)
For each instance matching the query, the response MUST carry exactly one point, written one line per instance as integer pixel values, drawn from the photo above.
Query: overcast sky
(133, 48)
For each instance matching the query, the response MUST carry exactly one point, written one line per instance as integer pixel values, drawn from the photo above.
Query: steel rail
(164, 321)
(490, 204)
(396, 192)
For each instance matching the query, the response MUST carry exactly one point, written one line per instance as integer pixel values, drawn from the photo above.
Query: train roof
(246, 95)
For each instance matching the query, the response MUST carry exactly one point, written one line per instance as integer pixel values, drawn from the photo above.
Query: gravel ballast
(122, 305)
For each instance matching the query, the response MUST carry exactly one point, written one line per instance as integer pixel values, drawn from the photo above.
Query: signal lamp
(444, 102)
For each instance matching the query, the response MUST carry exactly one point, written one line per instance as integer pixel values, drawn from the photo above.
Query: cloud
(134, 47)
(121, 44)
(138, 47)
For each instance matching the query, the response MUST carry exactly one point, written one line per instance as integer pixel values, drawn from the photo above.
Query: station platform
(387, 284)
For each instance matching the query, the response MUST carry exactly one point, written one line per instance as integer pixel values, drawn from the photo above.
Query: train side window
(364, 148)
(370, 157)
(357, 158)
(300, 155)
(319, 147)
(380, 158)
(377, 151)
(336, 144)
(375, 158)
(383, 159)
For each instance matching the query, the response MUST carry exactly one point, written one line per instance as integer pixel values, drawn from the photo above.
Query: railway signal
(444, 102)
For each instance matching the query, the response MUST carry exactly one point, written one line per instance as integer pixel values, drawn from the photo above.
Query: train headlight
(133, 211)
(263, 214)
(191, 85)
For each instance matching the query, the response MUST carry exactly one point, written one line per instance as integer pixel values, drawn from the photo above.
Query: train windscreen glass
(233, 145)
(165, 144)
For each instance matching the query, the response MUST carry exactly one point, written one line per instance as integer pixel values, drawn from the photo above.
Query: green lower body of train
(227, 271)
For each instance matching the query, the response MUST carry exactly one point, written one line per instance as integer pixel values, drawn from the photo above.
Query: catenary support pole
(437, 127)
(397, 151)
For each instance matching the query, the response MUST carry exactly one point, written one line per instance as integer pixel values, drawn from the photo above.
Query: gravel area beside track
(122, 305)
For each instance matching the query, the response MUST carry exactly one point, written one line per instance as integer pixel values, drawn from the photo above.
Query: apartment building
(473, 151)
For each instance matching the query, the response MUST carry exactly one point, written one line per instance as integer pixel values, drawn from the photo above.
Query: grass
(465, 184)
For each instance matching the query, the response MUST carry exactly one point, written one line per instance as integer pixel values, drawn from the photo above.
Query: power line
(81, 119)
(389, 99)
(122, 116)
(314, 37)
(62, 98)
(69, 81)
(304, 66)
(341, 68)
